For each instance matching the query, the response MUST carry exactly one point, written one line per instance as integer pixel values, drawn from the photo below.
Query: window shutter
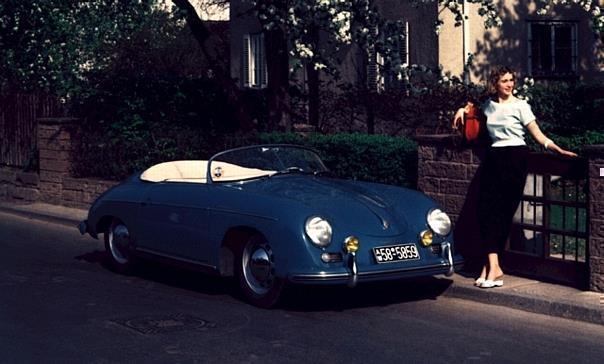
(263, 67)
(574, 47)
(530, 49)
(372, 61)
(245, 66)
(403, 46)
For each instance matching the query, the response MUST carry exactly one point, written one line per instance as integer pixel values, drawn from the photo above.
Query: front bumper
(386, 274)
(353, 275)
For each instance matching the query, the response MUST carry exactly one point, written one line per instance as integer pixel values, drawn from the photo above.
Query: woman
(504, 169)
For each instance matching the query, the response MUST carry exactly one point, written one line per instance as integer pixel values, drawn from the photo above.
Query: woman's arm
(547, 143)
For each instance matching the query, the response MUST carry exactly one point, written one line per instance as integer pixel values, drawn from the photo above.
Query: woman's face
(505, 85)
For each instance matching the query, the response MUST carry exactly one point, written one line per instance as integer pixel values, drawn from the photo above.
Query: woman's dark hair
(495, 75)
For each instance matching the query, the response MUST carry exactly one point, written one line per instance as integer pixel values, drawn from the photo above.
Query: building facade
(558, 45)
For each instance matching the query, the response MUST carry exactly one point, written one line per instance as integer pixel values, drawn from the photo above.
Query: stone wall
(595, 155)
(53, 184)
(448, 172)
(18, 185)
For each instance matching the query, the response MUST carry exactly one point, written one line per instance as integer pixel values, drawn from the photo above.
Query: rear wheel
(255, 268)
(118, 246)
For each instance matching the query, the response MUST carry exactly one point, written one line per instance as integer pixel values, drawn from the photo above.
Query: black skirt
(502, 179)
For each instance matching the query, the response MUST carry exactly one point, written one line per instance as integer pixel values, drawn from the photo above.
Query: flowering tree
(318, 29)
(345, 22)
(51, 44)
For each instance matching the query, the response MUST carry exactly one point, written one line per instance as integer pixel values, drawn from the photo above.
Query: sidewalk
(519, 293)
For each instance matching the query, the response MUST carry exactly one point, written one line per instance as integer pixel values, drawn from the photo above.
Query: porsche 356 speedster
(270, 215)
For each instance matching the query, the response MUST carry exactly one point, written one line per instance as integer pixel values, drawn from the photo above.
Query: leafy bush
(568, 108)
(373, 158)
(426, 107)
(578, 141)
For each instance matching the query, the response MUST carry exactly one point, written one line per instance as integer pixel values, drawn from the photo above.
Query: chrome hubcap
(258, 267)
(119, 243)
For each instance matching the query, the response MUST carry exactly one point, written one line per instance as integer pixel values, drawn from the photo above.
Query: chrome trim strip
(233, 212)
(446, 252)
(184, 260)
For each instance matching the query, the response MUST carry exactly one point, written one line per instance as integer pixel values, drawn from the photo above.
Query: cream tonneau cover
(194, 171)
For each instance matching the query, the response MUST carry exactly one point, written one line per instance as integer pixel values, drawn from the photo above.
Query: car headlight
(439, 222)
(318, 230)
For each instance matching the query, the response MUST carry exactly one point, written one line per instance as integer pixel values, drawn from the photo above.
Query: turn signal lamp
(331, 257)
(426, 237)
(351, 244)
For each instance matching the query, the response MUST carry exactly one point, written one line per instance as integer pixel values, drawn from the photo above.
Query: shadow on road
(296, 297)
(169, 275)
(338, 298)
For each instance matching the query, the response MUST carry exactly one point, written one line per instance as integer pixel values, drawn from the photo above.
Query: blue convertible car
(271, 215)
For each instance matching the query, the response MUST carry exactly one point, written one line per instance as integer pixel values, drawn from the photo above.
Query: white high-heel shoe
(488, 283)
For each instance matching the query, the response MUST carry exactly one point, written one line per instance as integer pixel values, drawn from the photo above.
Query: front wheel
(255, 268)
(118, 246)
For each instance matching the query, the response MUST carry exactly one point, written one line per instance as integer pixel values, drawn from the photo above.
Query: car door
(173, 220)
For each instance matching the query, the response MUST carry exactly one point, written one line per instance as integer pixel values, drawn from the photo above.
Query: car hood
(370, 209)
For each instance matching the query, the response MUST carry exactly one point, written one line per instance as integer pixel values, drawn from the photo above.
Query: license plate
(395, 253)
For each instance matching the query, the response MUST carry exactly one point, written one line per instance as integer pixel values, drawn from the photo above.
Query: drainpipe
(466, 42)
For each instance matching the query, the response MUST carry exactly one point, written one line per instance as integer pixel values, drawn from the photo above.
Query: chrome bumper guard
(354, 273)
(448, 256)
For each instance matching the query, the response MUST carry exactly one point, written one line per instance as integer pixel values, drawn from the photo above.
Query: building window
(392, 49)
(552, 49)
(254, 61)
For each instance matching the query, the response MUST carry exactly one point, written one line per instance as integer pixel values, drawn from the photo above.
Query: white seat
(194, 171)
(177, 171)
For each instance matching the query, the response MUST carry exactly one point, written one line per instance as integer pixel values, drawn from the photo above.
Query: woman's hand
(459, 119)
(561, 151)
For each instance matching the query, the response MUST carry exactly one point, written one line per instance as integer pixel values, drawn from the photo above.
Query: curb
(53, 218)
(551, 306)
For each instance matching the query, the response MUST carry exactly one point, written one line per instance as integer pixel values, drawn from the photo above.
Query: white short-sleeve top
(506, 122)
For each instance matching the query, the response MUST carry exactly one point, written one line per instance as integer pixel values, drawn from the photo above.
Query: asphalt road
(58, 303)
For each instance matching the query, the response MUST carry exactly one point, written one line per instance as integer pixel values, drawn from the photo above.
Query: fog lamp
(351, 244)
(426, 237)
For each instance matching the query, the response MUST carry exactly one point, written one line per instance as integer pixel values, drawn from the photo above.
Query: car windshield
(263, 161)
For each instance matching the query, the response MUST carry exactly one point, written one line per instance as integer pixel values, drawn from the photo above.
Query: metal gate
(549, 236)
(18, 126)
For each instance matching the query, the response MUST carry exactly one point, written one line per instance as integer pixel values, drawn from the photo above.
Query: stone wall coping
(58, 121)
(594, 150)
(453, 140)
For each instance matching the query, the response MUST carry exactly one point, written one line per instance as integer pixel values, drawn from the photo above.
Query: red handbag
(475, 124)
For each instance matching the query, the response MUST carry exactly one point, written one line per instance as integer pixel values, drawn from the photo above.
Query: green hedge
(573, 142)
(372, 158)
(568, 108)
